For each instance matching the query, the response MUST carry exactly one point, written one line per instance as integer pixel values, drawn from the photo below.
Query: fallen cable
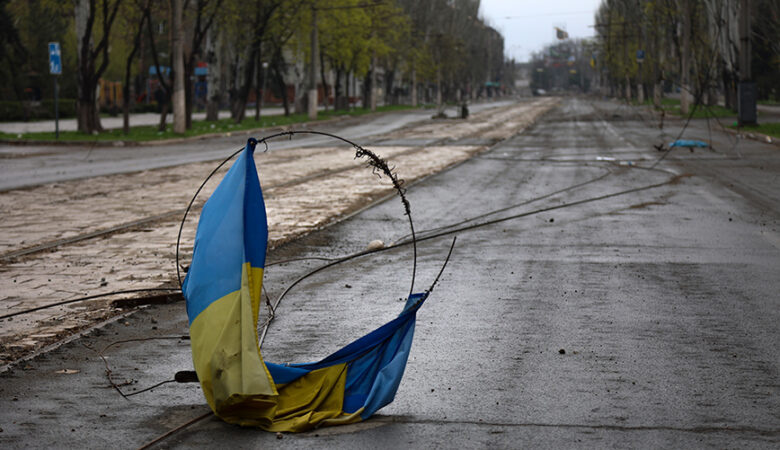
(507, 208)
(90, 297)
(453, 231)
(378, 164)
(109, 372)
(180, 427)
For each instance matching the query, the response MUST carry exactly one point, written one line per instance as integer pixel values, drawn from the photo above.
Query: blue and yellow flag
(222, 289)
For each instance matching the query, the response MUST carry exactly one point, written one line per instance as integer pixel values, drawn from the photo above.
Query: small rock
(279, 436)
(376, 244)
(562, 351)
(552, 220)
(348, 286)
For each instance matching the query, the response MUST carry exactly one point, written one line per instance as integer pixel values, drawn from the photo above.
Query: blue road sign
(55, 61)
(640, 55)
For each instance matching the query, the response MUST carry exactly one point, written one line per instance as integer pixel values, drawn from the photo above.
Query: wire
(180, 427)
(416, 239)
(109, 372)
(526, 202)
(378, 164)
(149, 388)
(82, 299)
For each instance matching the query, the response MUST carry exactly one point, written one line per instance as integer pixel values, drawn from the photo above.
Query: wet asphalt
(608, 303)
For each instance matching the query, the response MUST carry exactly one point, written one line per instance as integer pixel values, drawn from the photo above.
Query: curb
(759, 137)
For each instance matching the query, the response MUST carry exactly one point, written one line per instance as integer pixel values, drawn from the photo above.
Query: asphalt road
(611, 302)
(31, 165)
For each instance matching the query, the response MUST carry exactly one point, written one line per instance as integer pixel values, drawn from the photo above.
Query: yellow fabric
(255, 283)
(237, 384)
(224, 348)
(313, 400)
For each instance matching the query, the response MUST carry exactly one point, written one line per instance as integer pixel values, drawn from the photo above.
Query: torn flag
(222, 290)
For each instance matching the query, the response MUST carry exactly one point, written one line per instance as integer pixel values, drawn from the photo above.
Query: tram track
(176, 214)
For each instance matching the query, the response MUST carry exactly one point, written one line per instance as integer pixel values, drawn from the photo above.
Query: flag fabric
(222, 291)
(688, 143)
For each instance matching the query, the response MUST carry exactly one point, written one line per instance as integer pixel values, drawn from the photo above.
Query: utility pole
(746, 93)
(179, 119)
(313, 66)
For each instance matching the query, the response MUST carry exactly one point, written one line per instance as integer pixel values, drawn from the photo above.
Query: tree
(179, 106)
(12, 50)
(89, 69)
(201, 18)
(135, 17)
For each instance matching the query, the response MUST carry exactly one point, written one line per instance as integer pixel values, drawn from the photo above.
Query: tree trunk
(338, 103)
(438, 88)
(189, 67)
(128, 72)
(258, 84)
(280, 84)
(366, 92)
(325, 86)
(239, 108)
(684, 69)
(214, 78)
(373, 81)
(86, 102)
(389, 80)
(414, 87)
(179, 107)
(164, 114)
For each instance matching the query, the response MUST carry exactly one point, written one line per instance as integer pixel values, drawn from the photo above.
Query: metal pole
(56, 109)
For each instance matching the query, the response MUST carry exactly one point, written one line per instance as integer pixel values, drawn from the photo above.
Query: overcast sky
(528, 25)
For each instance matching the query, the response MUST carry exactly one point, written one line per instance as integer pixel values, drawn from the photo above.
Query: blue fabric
(688, 143)
(375, 362)
(283, 374)
(232, 231)
(255, 221)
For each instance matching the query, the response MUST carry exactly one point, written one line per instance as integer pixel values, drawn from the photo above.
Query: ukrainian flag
(222, 289)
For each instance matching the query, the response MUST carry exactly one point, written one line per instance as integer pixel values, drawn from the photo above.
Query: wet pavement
(597, 297)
